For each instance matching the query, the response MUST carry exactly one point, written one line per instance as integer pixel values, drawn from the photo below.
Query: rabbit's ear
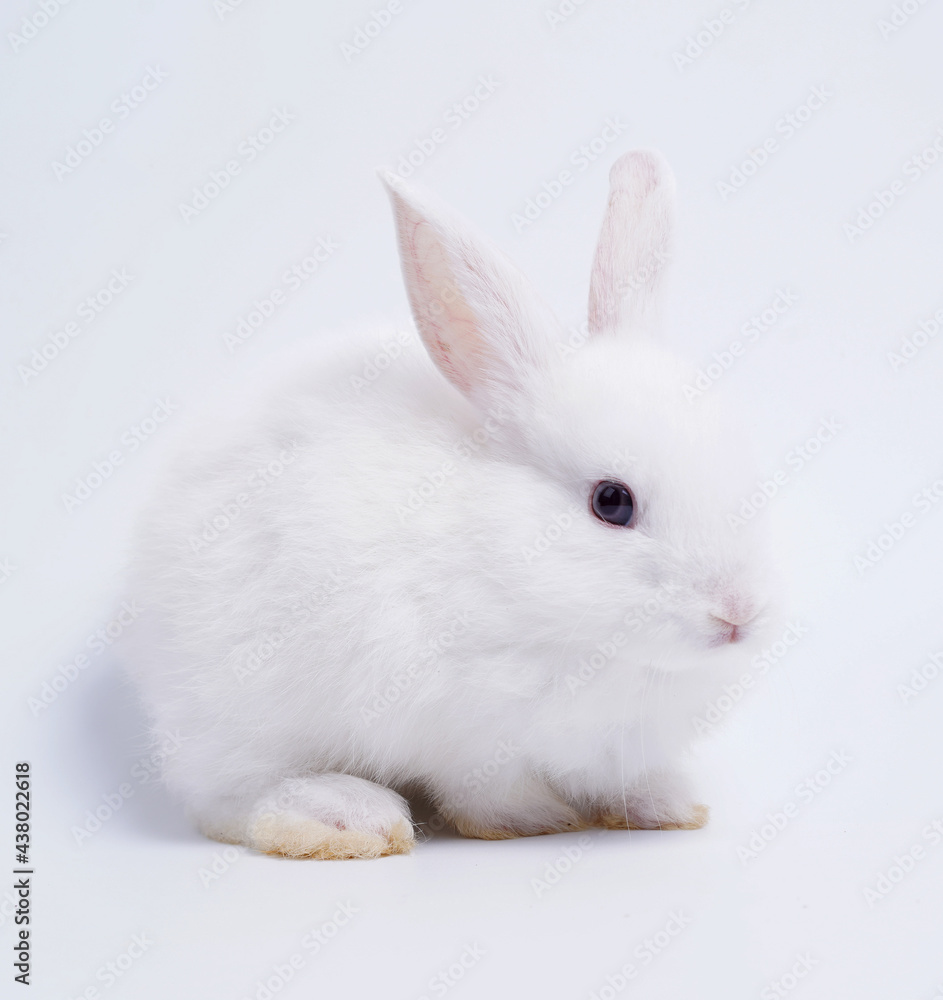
(634, 244)
(478, 316)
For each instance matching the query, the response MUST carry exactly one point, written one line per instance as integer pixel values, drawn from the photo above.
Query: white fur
(428, 571)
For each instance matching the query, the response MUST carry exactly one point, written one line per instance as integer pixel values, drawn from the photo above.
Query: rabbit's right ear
(479, 318)
(634, 244)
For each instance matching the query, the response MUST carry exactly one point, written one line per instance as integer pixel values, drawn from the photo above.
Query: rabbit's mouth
(726, 632)
(728, 629)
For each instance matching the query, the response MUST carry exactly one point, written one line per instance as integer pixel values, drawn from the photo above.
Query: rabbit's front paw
(690, 817)
(331, 817)
(520, 809)
(661, 801)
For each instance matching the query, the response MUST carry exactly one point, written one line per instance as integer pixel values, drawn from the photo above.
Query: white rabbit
(498, 571)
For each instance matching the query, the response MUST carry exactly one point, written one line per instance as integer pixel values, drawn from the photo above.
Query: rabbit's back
(284, 564)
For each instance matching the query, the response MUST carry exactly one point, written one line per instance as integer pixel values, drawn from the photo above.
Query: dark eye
(612, 502)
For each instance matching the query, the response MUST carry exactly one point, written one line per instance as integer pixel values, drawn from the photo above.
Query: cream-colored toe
(697, 818)
(296, 837)
(468, 828)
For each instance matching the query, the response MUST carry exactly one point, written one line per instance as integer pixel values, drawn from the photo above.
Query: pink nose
(734, 614)
(735, 611)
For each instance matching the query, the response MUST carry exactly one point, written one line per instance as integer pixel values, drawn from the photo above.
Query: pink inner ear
(474, 311)
(433, 276)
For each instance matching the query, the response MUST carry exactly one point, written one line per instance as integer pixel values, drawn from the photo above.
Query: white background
(859, 296)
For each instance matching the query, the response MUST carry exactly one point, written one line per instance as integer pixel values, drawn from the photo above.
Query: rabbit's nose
(735, 611)
(731, 616)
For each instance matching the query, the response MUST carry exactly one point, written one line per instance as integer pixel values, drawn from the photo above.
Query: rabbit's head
(614, 491)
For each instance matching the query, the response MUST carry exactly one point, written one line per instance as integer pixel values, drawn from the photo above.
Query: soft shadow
(113, 742)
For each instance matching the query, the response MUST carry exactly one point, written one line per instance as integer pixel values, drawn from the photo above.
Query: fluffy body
(415, 594)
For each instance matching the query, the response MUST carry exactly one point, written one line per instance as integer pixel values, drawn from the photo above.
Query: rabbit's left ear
(634, 245)
(478, 316)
